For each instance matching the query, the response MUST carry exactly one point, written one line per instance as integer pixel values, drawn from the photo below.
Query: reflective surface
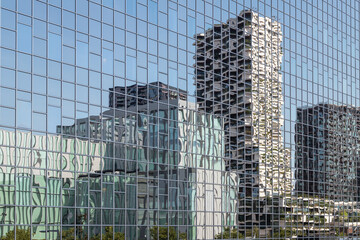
(156, 119)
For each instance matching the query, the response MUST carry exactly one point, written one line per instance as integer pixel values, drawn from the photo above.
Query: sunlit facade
(164, 119)
(239, 79)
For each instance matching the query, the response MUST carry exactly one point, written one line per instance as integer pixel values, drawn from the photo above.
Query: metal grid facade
(188, 119)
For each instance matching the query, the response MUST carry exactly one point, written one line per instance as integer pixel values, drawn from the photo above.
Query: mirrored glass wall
(187, 119)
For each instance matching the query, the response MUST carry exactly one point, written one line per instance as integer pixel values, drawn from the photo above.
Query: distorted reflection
(179, 120)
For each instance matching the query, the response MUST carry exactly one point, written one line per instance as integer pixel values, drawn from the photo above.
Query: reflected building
(327, 151)
(213, 189)
(149, 119)
(52, 179)
(238, 78)
(140, 94)
(176, 154)
(326, 161)
(188, 175)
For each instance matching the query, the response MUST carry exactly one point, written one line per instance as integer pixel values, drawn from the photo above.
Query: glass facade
(179, 119)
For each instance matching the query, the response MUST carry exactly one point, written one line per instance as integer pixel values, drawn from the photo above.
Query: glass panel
(54, 46)
(82, 7)
(157, 119)
(39, 47)
(7, 19)
(69, 5)
(24, 62)
(131, 68)
(53, 119)
(24, 81)
(107, 61)
(7, 97)
(39, 84)
(7, 117)
(131, 7)
(23, 114)
(24, 6)
(7, 38)
(55, 15)
(7, 58)
(68, 19)
(172, 20)
(82, 54)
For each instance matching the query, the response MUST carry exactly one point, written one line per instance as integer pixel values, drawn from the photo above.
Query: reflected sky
(68, 66)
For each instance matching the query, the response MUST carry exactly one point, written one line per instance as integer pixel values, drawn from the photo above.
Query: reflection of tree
(21, 234)
(108, 235)
(343, 216)
(164, 233)
(235, 234)
(340, 234)
(229, 234)
(68, 234)
(282, 233)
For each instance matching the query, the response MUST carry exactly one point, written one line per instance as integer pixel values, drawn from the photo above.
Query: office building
(164, 119)
(327, 147)
(238, 78)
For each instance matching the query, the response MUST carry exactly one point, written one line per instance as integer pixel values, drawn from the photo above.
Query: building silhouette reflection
(174, 153)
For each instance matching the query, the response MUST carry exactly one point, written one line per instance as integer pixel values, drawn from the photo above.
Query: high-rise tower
(237, 71)
(238, 78)
(327, 143)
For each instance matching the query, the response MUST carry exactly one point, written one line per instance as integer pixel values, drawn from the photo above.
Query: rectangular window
(23, 114)
(131, 68)
(82, 54)
(54, 46)
(108, 61)
(7, 117)
(131, 7)
(173, 20)
(24, 6)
